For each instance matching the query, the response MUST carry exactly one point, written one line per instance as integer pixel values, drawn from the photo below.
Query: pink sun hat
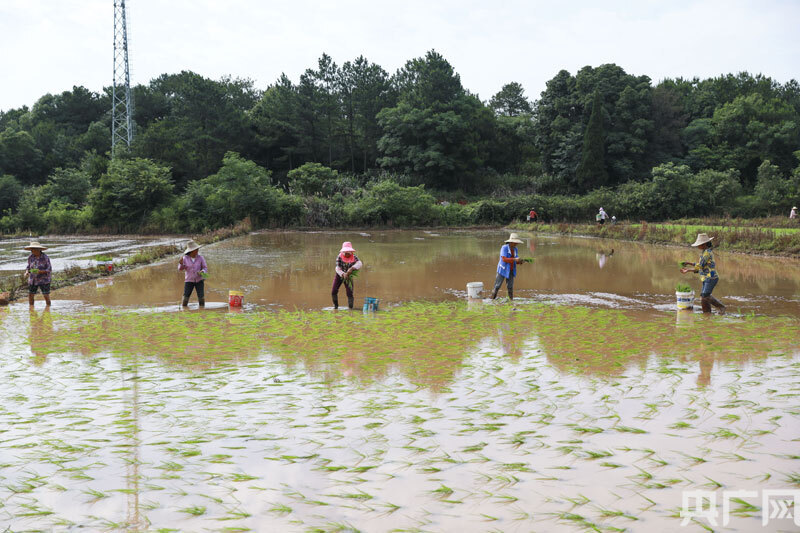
(347, 246)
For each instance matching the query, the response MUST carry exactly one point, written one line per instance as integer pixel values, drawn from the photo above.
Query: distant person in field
(793, 213)
(507, 266)
(195, 272)
(532, 216)
(38, 272)
(708, 273)
(602, 216)
(347, 263)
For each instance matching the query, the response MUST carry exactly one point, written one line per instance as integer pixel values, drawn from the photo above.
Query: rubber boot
(202, 302)
(705, 303)
(494, 292)
(510, 294)
(335, 298)
(719, 305)
(185, 302)
(350, 301)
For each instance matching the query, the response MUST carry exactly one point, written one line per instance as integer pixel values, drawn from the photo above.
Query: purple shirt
(43, 264)
(192, 269)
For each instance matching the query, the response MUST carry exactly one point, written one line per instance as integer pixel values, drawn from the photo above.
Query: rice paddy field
(68, 251)
(570, 409)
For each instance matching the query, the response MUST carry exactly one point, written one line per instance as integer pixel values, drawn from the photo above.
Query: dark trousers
(199, 286)
(337, 282)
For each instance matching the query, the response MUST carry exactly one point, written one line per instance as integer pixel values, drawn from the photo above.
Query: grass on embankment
(743, 237)
(16, 286)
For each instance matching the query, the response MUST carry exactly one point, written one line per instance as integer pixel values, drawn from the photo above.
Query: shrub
(28, 216)
(240, 189)
(10, 193)
(775, 190)
(67, 186)
(129, 191)
(62, 217)
(387, 203)
(312, 179)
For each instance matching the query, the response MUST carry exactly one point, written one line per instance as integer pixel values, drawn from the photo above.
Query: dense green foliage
(592, 170)
(128, 192)
(238, 190)
(331, 148)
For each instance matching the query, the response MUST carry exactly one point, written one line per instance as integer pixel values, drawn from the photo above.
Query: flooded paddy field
(585, 405)
(294, 270)
(66, 251)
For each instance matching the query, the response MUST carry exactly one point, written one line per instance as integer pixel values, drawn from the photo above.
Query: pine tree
(591, 172)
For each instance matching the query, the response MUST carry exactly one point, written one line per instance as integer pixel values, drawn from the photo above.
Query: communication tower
(121, 98)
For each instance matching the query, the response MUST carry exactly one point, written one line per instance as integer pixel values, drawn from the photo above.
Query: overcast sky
(51, 45)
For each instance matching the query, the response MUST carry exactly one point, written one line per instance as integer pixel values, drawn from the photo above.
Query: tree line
(344, 128)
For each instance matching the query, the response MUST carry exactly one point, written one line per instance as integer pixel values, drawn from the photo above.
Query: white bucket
(685, 300)
(474, 289)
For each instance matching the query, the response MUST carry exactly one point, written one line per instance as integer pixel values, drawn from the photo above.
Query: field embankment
(744, 236)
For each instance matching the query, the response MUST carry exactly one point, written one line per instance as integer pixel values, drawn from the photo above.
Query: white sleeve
(358, 265)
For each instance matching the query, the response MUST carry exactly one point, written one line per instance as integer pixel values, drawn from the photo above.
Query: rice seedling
(194, 510)
(448, 421)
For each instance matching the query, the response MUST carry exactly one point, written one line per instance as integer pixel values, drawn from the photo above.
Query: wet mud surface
(586, 405)
(294, 270)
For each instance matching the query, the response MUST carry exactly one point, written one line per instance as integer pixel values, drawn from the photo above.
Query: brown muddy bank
(747, 239)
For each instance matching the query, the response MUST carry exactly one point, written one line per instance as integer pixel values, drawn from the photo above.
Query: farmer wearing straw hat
(38, 272)
(346, 264)
(793, 213)
(507, 266)
(195, 271)
(708, 273)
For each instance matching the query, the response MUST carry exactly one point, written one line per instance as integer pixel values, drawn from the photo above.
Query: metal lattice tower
(121, 98)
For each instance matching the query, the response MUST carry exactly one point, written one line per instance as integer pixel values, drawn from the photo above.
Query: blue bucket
(371, 304)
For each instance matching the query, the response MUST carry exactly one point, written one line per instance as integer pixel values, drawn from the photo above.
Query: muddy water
(436, 416)
(295, 270)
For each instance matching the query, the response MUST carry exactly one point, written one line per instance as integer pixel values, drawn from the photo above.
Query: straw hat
(35, 244)
(191, 246)
(702, 238)
(347, 246)
(515, 239)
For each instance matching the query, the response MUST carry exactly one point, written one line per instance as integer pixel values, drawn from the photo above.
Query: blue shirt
(507, 270)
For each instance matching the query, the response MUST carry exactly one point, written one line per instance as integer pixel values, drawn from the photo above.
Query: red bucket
(235, 298)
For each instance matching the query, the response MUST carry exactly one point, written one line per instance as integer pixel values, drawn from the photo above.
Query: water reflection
(426, 343)
(41, 334)
(259, 419)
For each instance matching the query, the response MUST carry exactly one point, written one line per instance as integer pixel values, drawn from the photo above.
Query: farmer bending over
(346, 264)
